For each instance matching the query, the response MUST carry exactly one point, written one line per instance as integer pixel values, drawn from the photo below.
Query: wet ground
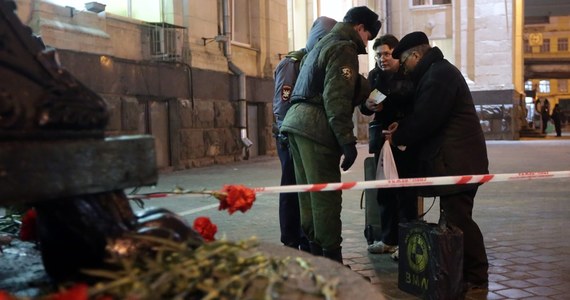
(522, 222)
(21, 269)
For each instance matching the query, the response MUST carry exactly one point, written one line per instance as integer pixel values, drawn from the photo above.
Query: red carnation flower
(77, 292)
(5, 296)
(28, 229)
(205, 228)
(235, 197)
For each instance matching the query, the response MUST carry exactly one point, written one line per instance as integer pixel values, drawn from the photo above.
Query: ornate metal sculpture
(53, 155)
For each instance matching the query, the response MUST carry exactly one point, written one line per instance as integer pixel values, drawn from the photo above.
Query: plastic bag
(386, 168)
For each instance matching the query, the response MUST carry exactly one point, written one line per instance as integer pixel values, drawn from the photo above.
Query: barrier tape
(386, 183)
(411, 182)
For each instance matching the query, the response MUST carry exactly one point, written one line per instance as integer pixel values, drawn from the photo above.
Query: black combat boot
(315, 249)
(335, 254)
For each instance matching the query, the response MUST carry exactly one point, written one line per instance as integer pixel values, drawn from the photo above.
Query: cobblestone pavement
(524, 223)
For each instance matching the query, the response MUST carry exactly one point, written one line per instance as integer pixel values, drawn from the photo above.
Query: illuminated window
(429, 2)
(545, 45)
(240, 21)
(528, 85)
(563, 44)
(544, 86)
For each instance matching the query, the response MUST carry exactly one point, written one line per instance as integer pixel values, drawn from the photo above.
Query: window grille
(167, 41)
(545, 45)
(562, 44)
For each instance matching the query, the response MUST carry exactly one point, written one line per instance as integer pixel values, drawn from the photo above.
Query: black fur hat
(363, 15)
(409, 41)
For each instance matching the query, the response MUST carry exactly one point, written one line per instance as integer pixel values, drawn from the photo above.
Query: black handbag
(430, 263)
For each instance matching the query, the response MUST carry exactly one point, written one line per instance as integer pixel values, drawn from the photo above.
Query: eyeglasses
(403, 61)
(384, 54)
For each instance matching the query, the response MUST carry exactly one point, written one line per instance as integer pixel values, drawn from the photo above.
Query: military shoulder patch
(285, 93)
(346, 72)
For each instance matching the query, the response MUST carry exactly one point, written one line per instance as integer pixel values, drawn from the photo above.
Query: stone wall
(191, 112)
(190, 103)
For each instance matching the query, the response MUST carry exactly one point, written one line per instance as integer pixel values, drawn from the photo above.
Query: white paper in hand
(386, 168)
(377, 96)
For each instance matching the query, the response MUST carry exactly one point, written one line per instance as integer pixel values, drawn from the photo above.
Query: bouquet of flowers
(180, 270)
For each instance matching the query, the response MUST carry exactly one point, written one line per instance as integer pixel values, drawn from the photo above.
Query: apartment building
(547, 63)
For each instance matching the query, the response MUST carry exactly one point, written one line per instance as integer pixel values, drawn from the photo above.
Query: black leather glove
(283, 140)
(350, 153)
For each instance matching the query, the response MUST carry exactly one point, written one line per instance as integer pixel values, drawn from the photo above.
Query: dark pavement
(524, 223)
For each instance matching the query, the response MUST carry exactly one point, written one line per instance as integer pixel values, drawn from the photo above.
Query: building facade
(197, 75)
(547, 64)
(482, 38)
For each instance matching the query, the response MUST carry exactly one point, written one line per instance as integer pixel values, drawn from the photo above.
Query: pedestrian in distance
(445, 127)
(545, 114)
(319, 124)
(556, 118)
(286, 74)
(397, 204)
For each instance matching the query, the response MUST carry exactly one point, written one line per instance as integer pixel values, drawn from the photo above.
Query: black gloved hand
(350, 153)
(283, 140)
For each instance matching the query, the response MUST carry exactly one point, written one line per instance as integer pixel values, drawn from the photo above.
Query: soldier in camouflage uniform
(319, 124)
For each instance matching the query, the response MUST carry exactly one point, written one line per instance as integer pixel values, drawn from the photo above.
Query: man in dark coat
(319, 124)
(445, 127)
(545, 114)
(556, 118)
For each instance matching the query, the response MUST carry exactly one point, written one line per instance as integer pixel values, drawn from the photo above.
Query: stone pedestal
(34, 171)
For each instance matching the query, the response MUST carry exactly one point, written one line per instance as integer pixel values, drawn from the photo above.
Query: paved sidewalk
(523, 223)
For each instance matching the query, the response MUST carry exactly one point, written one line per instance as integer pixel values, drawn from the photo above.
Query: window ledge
(245, 46)
(431, 7)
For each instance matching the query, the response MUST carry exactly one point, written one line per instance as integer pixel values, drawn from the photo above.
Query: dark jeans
(396, 205)
(458, 210)
(544, 123)
(289, 217)
(557, 126)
